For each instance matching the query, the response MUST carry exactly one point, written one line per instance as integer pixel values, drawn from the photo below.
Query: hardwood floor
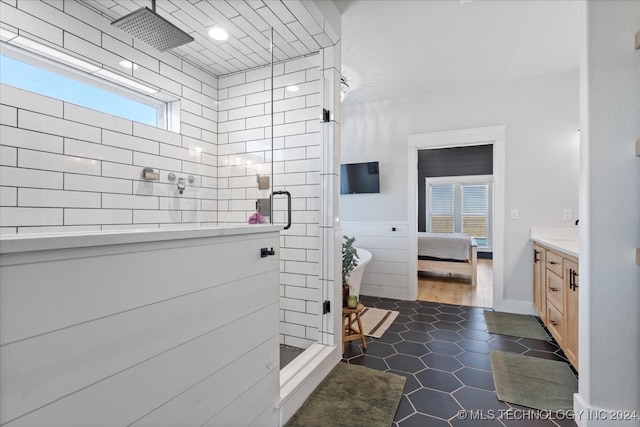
(453, 290)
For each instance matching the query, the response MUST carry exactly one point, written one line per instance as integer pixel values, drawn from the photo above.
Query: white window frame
(168, 108)
(457, 182)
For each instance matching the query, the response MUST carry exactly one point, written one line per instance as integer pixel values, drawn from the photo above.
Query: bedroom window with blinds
(460, 205)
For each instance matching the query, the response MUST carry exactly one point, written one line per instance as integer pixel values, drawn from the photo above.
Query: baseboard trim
(591, 416)
(513, 306)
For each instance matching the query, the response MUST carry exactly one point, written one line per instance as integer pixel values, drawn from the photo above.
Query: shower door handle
(286, 227)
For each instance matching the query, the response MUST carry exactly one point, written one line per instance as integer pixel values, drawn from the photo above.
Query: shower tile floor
(443, 351)
(288, 353)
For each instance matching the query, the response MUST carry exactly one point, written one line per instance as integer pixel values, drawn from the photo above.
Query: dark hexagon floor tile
(397, 327)
(421, 420)
(390, 337)
(540, 345)
(445, 335)
(435, 403)
(475, 360)
(443, 347)
(420, 326)
(473, 419)
(544, 355)
(421, 317)
(438, 380)
(416, 336)
(404, 408)
(447, 326)
(404, 363)
(447, 308)
(476, 378)
(447, 317)
(475, 346)
(406, 311)
(403, 318)
(407, 304)
(412, 383)
(380, 349)
(441, 361)
(372, 362)
(411, 348)
(351, 349)
(430, 304)
(474, 334)
(523, 418)
(476, 325)
(475, 399)
(387, 305)
(507, 345)
(427, 310)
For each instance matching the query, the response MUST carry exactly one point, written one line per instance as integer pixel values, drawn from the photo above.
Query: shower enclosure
(270, 144)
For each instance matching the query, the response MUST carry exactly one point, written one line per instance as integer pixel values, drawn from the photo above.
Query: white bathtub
(355, 277)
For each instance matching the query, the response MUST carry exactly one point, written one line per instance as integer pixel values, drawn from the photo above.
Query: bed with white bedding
(452, 253)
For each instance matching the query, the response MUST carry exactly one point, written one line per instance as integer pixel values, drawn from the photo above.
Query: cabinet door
(571, 311)
(539, 281)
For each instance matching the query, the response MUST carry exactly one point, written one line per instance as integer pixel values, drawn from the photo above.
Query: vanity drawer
(555, 323)
(554, 263)
(555, 290)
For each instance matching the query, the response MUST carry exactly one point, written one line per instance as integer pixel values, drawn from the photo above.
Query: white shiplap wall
(387, 273)
(244, 151)
(69, 168)
(141, 346)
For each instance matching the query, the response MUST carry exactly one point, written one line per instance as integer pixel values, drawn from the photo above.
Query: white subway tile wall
(244, 151)
(66, 167)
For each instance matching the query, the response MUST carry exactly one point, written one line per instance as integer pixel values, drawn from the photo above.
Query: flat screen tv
(358, 178)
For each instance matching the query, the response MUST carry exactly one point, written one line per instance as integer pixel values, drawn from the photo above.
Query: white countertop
(561, 239)
(43, 242)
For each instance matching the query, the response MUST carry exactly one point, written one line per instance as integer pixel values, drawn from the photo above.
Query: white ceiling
(395, 48)
(298, 29)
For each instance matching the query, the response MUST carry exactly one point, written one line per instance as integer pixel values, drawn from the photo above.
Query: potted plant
(349, 262)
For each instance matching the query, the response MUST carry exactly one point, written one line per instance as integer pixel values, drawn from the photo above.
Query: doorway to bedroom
(457, 193)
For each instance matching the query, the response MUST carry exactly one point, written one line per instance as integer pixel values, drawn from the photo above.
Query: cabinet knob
(552, 262)
(552, 289)
(554, 323)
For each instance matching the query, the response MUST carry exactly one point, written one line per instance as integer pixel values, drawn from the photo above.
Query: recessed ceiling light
(293, 88)
(218, 33)
(128, 65)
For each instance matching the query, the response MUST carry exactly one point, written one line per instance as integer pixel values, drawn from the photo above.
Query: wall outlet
(566, 214)
(515, 214)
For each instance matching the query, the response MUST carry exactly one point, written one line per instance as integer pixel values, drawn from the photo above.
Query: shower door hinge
(326, 307)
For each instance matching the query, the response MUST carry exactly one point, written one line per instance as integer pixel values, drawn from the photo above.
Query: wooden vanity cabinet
(539, 286)
(555, 297)
(572, 288)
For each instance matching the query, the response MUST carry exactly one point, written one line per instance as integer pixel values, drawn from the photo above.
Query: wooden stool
(348, 332)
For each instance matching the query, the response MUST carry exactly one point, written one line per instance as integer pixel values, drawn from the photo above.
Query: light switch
(515, 214)
(566, 214)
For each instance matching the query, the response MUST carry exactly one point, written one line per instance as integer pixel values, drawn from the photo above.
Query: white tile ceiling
(298, 29)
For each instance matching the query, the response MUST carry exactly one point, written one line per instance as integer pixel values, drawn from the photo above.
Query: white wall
(610, 174)
(541, 118)
(70, 168)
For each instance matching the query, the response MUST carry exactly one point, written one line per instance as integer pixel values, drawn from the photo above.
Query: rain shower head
(145, 24)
